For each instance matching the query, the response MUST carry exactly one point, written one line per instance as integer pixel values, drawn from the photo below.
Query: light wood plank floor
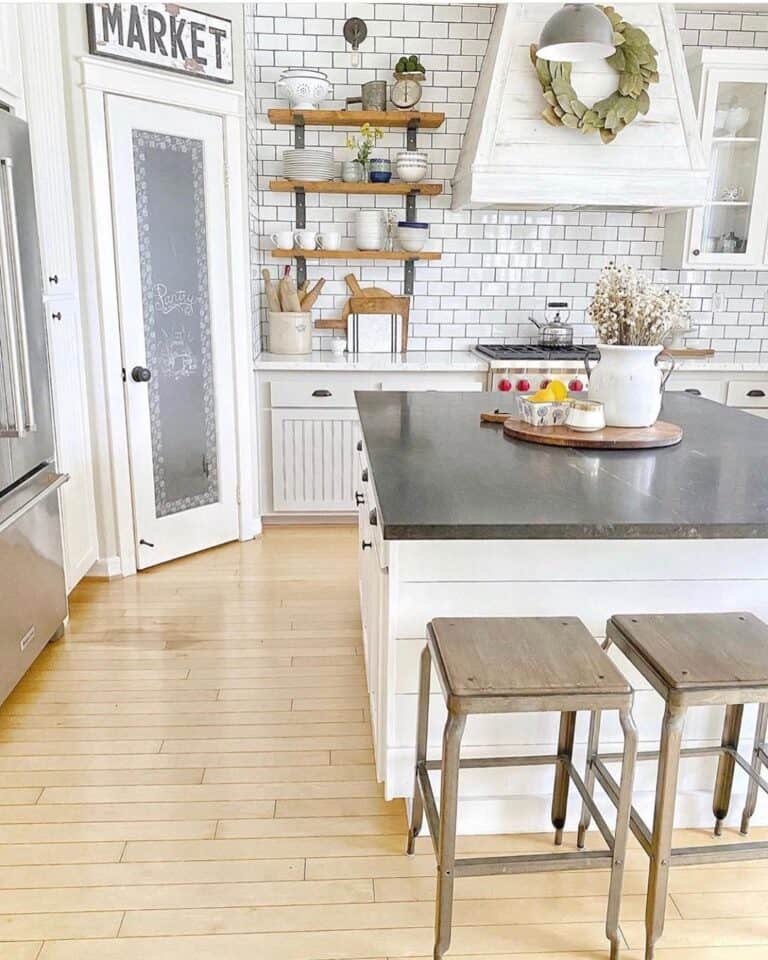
(188, 774)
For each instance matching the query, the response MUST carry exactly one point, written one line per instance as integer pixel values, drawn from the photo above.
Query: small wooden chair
(522, 665)
(691, 660)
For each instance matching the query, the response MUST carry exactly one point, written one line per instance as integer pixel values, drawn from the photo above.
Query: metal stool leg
(663, 821)
(422, 727)
(760, 733)
(562, 778)
(726, 765)
(621, 832)
(446, 850)
(593, 748)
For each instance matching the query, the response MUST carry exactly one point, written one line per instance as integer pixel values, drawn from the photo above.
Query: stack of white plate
(310, 164)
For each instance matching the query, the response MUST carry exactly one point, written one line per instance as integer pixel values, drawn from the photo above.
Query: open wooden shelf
(356, 118)
(356, 254)
(336, 186)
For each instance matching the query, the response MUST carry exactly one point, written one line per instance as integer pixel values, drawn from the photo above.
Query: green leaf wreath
(634, 61)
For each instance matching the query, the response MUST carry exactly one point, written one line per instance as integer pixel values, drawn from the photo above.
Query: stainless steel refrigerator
(33, 599)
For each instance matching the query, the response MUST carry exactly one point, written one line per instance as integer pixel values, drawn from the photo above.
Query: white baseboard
(275, 520)
(105, 568)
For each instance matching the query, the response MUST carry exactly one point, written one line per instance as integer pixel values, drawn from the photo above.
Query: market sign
(163, 35)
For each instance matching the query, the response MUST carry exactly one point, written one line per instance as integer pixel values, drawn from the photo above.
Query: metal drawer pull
(694, 391)
(756, 393)
(54, 278)
(321, 393)
(365, 475)
(373, 519)
(56, 316)
(17, 415)
(359, 498)
(359, 447)
(367, 544)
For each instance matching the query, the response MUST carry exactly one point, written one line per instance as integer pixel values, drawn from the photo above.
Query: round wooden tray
(661, 434)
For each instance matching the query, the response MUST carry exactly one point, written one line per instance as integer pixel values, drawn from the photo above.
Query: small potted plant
(631, 317)
(363, 145)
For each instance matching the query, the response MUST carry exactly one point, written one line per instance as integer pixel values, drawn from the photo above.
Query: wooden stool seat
(518, 665)
(699, 659)
(700, 650)
(483, 660)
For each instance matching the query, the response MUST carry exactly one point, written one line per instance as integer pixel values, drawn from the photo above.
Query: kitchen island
(457, 520)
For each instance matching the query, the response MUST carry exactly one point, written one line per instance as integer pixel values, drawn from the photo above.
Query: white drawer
(460, 381)
(748, 393)
(709, 389)
(317, 390)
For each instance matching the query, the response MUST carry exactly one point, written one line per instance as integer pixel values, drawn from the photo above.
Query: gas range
(530, 351)
(525, 367)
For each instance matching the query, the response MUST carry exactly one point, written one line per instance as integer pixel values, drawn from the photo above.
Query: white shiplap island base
(579, 534)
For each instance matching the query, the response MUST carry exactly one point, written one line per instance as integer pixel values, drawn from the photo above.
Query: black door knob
(141, 374)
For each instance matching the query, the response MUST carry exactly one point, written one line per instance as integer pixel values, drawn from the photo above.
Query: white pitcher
(629, 383)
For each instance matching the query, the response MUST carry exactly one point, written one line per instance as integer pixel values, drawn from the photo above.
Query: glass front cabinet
(731, 229)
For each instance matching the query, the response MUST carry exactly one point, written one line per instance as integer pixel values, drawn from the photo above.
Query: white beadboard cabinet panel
(313, 459)
(73, 443)
(46, 111)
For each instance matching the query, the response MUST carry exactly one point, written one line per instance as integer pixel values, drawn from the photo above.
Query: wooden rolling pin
(308, 300)
(273, 301)
(289, 295)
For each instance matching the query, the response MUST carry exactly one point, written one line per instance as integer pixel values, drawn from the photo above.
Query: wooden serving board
(661, 434)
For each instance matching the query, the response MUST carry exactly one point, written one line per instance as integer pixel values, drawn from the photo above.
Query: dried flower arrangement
(628, 310)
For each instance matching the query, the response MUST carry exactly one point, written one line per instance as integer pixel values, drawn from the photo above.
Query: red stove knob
(505, 384)
(523, 385)
(576, 386)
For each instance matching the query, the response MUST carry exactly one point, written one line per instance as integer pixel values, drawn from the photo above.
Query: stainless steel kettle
(554, 333)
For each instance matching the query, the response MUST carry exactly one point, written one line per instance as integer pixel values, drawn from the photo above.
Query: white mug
(306, 239)
(283, 239)
(338, 346)
(330, 240)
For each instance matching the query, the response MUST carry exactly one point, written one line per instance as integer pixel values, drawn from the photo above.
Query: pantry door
(169, 205)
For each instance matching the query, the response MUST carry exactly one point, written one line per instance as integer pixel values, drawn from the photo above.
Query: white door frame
(100, 77)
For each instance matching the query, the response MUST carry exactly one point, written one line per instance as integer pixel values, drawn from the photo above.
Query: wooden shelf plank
(355, 254)
(356, 118)
(331, 323)
(336, 186)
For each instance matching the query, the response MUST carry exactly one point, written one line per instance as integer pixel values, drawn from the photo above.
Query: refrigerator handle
(19, 376)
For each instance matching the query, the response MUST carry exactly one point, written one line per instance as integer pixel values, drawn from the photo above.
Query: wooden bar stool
(498, 665)
(691, 660)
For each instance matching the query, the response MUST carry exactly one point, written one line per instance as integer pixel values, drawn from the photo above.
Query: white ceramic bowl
(412, 239)
(410, 173)
(411, 155)
(304, 92)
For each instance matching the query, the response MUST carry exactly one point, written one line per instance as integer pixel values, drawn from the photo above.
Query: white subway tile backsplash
(497, 266)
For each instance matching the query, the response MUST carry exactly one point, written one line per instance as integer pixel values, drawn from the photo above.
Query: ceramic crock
(629, 383)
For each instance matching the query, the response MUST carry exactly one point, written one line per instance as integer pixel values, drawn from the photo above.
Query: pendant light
(577, 32)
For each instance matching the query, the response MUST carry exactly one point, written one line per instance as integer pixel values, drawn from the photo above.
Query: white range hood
(511, 157)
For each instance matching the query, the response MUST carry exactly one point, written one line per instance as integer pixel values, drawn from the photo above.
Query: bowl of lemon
(548, 407)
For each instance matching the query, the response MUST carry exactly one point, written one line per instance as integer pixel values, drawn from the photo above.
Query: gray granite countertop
(439, 474)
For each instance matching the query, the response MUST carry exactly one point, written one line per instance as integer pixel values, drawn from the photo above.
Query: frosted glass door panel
(170, 209)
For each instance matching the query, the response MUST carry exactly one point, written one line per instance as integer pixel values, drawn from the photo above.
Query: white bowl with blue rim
(412, 235)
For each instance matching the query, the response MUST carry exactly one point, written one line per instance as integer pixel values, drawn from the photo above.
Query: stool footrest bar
(749, 770)
(532, 863)
(430, 807)
(654, 754)
(597, 816)
(636, 824)
(470, 763)
(727, 853)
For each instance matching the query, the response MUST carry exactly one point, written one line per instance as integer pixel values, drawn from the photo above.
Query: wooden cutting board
(661, 434)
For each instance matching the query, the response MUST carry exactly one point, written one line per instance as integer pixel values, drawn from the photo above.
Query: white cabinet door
(314, 460)
(73, 444)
